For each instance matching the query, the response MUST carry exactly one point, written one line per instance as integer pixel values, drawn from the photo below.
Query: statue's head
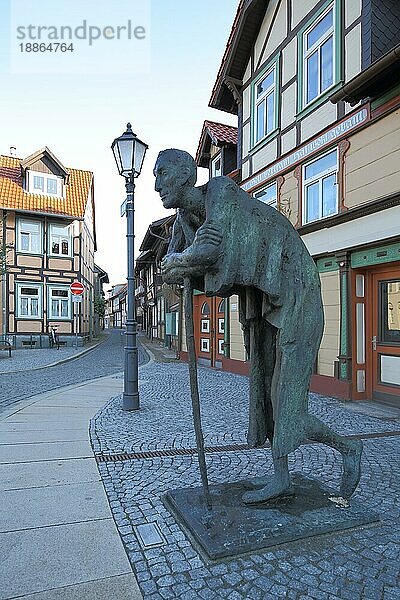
(175, 172)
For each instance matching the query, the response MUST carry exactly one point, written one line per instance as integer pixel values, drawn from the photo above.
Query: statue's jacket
(263, 259)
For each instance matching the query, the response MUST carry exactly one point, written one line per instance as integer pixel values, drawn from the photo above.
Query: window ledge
(69, 257)
(63, 319)
(264, 141)
(26, 253)
(38, 319)
(316, 103)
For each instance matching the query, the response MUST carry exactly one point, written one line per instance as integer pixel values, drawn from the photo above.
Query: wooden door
(385, 338)
(209, 316)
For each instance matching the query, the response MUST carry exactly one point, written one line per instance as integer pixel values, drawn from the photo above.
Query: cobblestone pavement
(105, 359)
(358, 564)
(26, 359)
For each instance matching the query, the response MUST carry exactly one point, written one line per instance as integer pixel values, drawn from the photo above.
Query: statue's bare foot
(351, 469)
(275, 487)
(260, 481)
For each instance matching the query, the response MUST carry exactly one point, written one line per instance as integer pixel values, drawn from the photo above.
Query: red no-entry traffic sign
(76, 288)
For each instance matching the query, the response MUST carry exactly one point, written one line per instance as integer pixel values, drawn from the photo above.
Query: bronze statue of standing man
(230, 243)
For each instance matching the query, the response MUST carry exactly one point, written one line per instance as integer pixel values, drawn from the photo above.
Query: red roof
(217, 134)
(14, 197)
(220, 133)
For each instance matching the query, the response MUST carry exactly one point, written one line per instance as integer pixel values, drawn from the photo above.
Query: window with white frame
(204, 345)
(264, 105)
(29, 236)
(44, 183)
(320, 187)
(29, 301)
(205, 326)
(59, 240)
(220, 346)
(268, 195)
(319, 56)
(59, 302)
(216, 166)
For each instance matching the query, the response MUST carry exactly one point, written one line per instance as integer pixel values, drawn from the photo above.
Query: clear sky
(78, 116)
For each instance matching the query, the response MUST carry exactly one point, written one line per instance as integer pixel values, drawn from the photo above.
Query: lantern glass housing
(129, 153)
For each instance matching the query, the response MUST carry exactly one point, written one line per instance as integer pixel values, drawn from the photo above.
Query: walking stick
(194, 388)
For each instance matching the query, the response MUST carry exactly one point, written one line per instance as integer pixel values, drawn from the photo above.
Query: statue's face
(170, 183)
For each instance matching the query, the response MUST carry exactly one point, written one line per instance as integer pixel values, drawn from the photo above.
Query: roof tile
(14, 197)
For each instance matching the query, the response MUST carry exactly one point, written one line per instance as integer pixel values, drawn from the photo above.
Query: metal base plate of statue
(233, 528)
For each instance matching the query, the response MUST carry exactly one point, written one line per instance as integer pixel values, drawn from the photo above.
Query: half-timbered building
(48, 232)
(316, 88)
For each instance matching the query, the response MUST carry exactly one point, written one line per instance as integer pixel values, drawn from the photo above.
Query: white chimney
(13, 151)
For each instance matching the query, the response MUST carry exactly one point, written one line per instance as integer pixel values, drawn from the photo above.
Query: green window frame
(304, 55)
(261, 98)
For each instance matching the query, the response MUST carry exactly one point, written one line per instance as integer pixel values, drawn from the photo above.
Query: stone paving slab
(48, 557)
(44, 473)
(40, 425)
(120, 586)
(53, 436)
(359, 564)
(52, 505)
(20, 453)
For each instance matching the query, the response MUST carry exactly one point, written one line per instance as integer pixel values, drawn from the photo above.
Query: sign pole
(76, 288)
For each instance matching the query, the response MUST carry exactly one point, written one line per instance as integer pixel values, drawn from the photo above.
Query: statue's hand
(208, 234)
(173, 268)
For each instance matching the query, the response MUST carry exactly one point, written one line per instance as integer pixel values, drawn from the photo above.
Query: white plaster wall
(372, 228)
(320, 118)
(353, 53)
(236, 333)
(245, 170)
(288, 106)
(289, 61)
(265, 156)
(266, 24)
(278, 32)
(246, 102)
(352, 11)
(246, 140)
(301, 8)
(288, 140)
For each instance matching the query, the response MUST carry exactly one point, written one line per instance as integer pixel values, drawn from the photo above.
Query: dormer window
(216, 166)
(44, 183)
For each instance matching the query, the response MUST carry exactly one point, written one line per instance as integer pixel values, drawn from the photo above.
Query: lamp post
(129, 154)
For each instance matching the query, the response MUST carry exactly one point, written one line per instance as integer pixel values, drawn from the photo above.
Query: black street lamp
(129, 154)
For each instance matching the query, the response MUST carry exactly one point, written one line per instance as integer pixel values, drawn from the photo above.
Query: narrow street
(105, 359)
